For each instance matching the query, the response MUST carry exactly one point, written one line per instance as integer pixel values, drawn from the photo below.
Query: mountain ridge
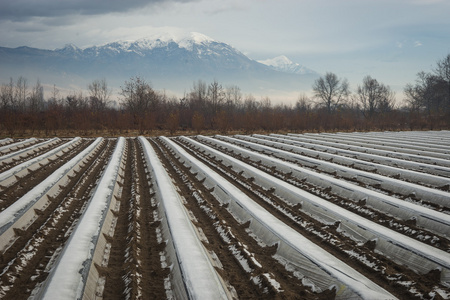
(170, 62)
(284, 64)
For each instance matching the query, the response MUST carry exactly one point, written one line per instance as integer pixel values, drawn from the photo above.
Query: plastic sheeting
(13, 146)
(323, 269)
(370, 157)
(192, 271)
(18, 208)
(34, 163)
(68, 278)
(379, 168)
(364, 228)
(432, 220)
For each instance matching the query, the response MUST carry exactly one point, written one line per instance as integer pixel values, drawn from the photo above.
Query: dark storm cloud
(19, 10)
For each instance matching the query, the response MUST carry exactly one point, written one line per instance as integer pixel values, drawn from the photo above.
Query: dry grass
(124, 133)
(133, 133)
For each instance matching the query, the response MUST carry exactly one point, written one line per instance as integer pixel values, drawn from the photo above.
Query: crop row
(346, 215)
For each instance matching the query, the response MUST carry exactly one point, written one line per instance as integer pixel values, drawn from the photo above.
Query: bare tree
(428, 93)
(331, 91)
(387, 103)
(137, 95)
(99, 94)
(7, 118)
(54, 114)
(77, 116)
(35, 105)
(20, 94)
(7, 95)
(443, 72)
(303, 104)
(76, 101)
(36, 98)
(233, 96)
(140, 99)
(250, 104)
(216, 95)
(198, 96)
(412, 96)
(55, 98)
(374, 97)
(266, 103)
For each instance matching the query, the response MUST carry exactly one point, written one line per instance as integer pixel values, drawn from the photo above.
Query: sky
(390, 40)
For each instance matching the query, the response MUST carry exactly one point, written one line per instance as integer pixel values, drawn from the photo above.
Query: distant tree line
(213, 107)
(429, 97)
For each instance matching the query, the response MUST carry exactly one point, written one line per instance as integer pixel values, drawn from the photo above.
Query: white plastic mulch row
(21, 206)
(416, 255)
(432, 220)
(394, 147)
(321, 265)
(438, 138)
(425, 142)
(443, 135)
(378, 158)
(422, 147)
(395, 153)
(13, 146)
(325, 153)
(395, 185)
(8, 158)
(5, 141)
(34, 163)
(198, 278)
(68, 277)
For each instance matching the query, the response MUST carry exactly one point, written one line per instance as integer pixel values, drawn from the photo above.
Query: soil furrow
(407, 227)
(25, 184)
(24, 157)
(238, 250)
(374, 266)
(134, 268)
(19, 147)
(27, 262)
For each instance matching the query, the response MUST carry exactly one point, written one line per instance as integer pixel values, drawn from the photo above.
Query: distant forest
(215, 108)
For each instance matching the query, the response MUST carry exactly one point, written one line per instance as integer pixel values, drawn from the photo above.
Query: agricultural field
(279, 216)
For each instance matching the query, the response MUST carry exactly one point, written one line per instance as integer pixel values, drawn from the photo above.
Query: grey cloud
(19, 10)
(31, 29)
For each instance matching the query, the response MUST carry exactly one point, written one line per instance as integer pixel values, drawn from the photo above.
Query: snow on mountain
(69, 49)
(170, 61)
(186, 41)
(193, 41)
(192, 54)
(194, 38)
(284, 64)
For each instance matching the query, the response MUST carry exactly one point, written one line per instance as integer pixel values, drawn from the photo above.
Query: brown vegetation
(214, 108)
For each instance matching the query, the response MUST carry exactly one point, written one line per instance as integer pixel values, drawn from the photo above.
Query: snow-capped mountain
(194, 42)
(167, 61)
(193, 52)
(283, 64)
(187, 42)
